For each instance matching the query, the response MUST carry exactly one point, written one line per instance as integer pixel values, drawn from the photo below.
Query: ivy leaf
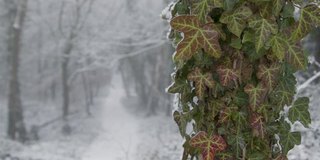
(284, 92)
(196, 36)
(225, 115)
(228, 76)
(299, 111)
(296, 58)
(288, 139)
(238, 143)
(201, 9)
(257, 125)
(281, 47)
(277, 6)
(256, 95)
(209, 145)
(202, 80)
(268, 75)
(218, 3)
(181, 122)
(309, 18)
(236, 21)
(278, 46)
(215, 106)
(263, 30)
(179, 86)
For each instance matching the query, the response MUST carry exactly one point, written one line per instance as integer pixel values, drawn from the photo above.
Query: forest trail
(119, 136)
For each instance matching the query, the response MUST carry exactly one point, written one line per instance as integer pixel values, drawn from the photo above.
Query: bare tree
(17, 13)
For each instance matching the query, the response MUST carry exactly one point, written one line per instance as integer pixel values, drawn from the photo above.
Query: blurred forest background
(86, 79)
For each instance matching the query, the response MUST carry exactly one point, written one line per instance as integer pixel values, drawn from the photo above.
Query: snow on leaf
(263, 30)
(309, 18)
(196, 36)
(227, 76)
(268, 75)
(209, 145)
(257, 124)
(256, 95)
(299, 111)
(236, 21)
(202, 80)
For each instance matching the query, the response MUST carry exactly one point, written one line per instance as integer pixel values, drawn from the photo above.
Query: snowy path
(120, 136)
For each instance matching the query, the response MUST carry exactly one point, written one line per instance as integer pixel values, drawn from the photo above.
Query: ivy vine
(235, 61)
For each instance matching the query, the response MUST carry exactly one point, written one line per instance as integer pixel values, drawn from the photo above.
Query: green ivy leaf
(277, 6)
(196, 36)
(288, 139)
(202, 80)
(282, 47)
(179, 86)
(263, 30)
(256, 95)
(202, 8)
(209, 145)
(299, 111)
(181, 122)
(288, 10)
(284, 92)
(309, 19)
(236, 21)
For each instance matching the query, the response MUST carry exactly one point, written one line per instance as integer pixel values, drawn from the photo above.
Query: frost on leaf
(299, 111)
(209, 145)
(268, 75)
(309, 18)
(263, 30)
(236, 21)
(256, 95)
(202, 81)
(196, 36)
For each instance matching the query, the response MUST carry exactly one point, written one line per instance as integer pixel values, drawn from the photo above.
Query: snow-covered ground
(113, 133)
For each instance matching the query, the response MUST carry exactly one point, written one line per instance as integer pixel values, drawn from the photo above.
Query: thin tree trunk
(16, 127)
(65, 77)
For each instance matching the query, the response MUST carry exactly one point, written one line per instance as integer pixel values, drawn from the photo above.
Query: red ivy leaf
(228, 76)
(257, 124)
(196, 36)
(208, 145)
(202, 80)
(268, 75)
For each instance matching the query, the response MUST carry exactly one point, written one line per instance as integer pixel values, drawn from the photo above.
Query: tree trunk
(65, 77)
(16, 127)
